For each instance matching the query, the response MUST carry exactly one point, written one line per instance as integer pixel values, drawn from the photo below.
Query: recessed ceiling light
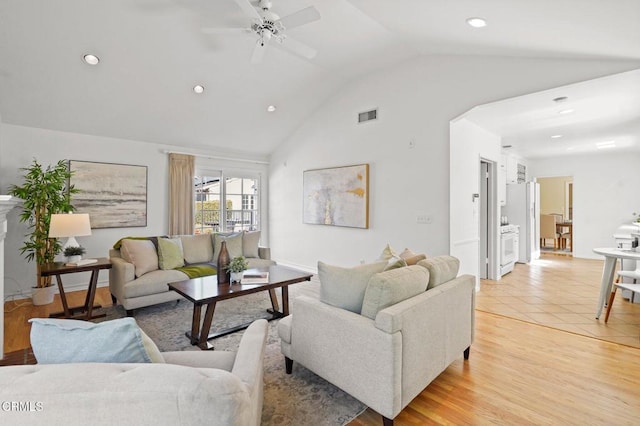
(271, 108)
(477, 22)
(556, 136)
(560, 99)
(566, 111)
(198, 89)
(91, 59)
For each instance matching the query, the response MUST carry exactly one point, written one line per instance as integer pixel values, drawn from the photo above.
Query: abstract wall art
(114, 195)
(337, 196)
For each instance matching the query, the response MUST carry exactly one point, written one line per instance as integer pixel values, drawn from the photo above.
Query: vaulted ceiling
(153, 52)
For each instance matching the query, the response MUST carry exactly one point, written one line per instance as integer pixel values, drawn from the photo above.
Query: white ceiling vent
(368, 116)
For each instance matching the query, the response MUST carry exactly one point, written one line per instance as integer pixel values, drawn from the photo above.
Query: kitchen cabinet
(512, 169)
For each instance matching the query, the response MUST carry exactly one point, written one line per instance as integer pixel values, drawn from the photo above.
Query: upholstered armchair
(411, 325)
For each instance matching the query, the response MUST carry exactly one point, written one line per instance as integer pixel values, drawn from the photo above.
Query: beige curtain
(181, 173)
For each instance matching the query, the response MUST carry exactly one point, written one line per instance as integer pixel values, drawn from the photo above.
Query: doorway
(556, 198)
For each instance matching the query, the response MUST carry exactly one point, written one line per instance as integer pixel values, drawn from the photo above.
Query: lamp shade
(69, 225)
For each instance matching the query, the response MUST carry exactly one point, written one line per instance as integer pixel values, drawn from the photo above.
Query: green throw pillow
(170, 253)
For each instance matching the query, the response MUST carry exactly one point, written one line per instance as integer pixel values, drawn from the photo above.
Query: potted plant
(237, 265)
(74, 253)
(45, 191)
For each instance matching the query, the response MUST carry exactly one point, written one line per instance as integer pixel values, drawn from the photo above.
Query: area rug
(301, 398)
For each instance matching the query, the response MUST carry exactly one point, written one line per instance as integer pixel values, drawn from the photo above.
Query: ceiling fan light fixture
(477, 22)
(91, 59)
(271, 108)
(198, 89)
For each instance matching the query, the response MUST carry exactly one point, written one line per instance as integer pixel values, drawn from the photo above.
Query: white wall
(469, 144)
(416, 100)
(19, 145)
(605, 194)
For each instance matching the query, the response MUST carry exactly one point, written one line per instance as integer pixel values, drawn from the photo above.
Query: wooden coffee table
(206, 291)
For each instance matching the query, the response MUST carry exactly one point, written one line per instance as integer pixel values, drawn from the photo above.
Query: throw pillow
(410, 257)
(441, 269)
(345, 287)
(250, 240)
(390, 287)
(170, 253)
(60, 341)
(393, 260)
(142, 253)
(234, 245)
(197, 248)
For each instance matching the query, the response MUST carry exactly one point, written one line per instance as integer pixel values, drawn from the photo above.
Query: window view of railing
(238, 196)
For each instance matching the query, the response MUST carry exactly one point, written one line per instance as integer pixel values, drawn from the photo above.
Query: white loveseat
(190, 388)
(137, 279)
(405, 339)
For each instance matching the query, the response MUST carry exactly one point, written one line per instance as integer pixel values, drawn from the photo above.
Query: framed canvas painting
(114, 195)
(337, 196)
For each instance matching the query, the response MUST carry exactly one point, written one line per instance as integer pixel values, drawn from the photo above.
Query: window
(226, 204)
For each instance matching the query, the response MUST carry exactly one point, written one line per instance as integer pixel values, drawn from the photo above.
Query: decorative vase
(236, 277)
(42, 296)
(73, 259)
(223, 260)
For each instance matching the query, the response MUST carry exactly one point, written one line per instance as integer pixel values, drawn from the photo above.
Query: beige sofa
(399, 340)
(189, 388)
(137, 278)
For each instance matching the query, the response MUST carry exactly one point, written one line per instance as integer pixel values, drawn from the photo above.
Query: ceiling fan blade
(248, 9)
(300, 17)
(298, 48)
(225, 30)
(258, 52)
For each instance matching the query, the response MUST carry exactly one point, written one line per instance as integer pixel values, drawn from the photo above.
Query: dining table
(611, 256)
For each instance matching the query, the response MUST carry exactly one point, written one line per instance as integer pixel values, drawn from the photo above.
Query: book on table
(255, 278)
(82, 262)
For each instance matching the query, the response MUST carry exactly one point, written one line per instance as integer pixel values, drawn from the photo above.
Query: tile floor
(561, 292)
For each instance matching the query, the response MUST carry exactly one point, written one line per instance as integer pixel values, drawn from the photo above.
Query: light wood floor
(519, 373)
(561, 292)
(17, 313)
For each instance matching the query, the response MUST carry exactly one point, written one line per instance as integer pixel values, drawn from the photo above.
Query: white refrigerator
(523, 209)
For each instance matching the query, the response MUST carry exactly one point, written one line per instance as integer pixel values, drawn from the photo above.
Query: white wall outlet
(425, 219)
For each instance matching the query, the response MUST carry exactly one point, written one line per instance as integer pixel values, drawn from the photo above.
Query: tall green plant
(45, 191)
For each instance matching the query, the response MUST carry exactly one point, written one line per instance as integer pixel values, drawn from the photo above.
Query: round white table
(611, 255)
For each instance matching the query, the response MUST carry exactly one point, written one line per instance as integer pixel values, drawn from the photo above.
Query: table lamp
(69, 225)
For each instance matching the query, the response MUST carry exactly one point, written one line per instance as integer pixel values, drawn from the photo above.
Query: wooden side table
(58, 269)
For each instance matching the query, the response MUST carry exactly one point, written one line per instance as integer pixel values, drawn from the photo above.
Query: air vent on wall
(368, 116)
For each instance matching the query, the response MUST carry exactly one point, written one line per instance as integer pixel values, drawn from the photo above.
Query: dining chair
(564, 235)
(632, 287)
(548, 230)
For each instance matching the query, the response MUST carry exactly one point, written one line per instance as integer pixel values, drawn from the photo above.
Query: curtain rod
(215, 157)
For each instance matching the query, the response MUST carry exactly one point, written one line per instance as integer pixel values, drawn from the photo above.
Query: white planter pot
(236, 277)
(42, 296)
(74, 258)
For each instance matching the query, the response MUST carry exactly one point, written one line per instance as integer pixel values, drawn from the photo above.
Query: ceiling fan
(268, 26)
